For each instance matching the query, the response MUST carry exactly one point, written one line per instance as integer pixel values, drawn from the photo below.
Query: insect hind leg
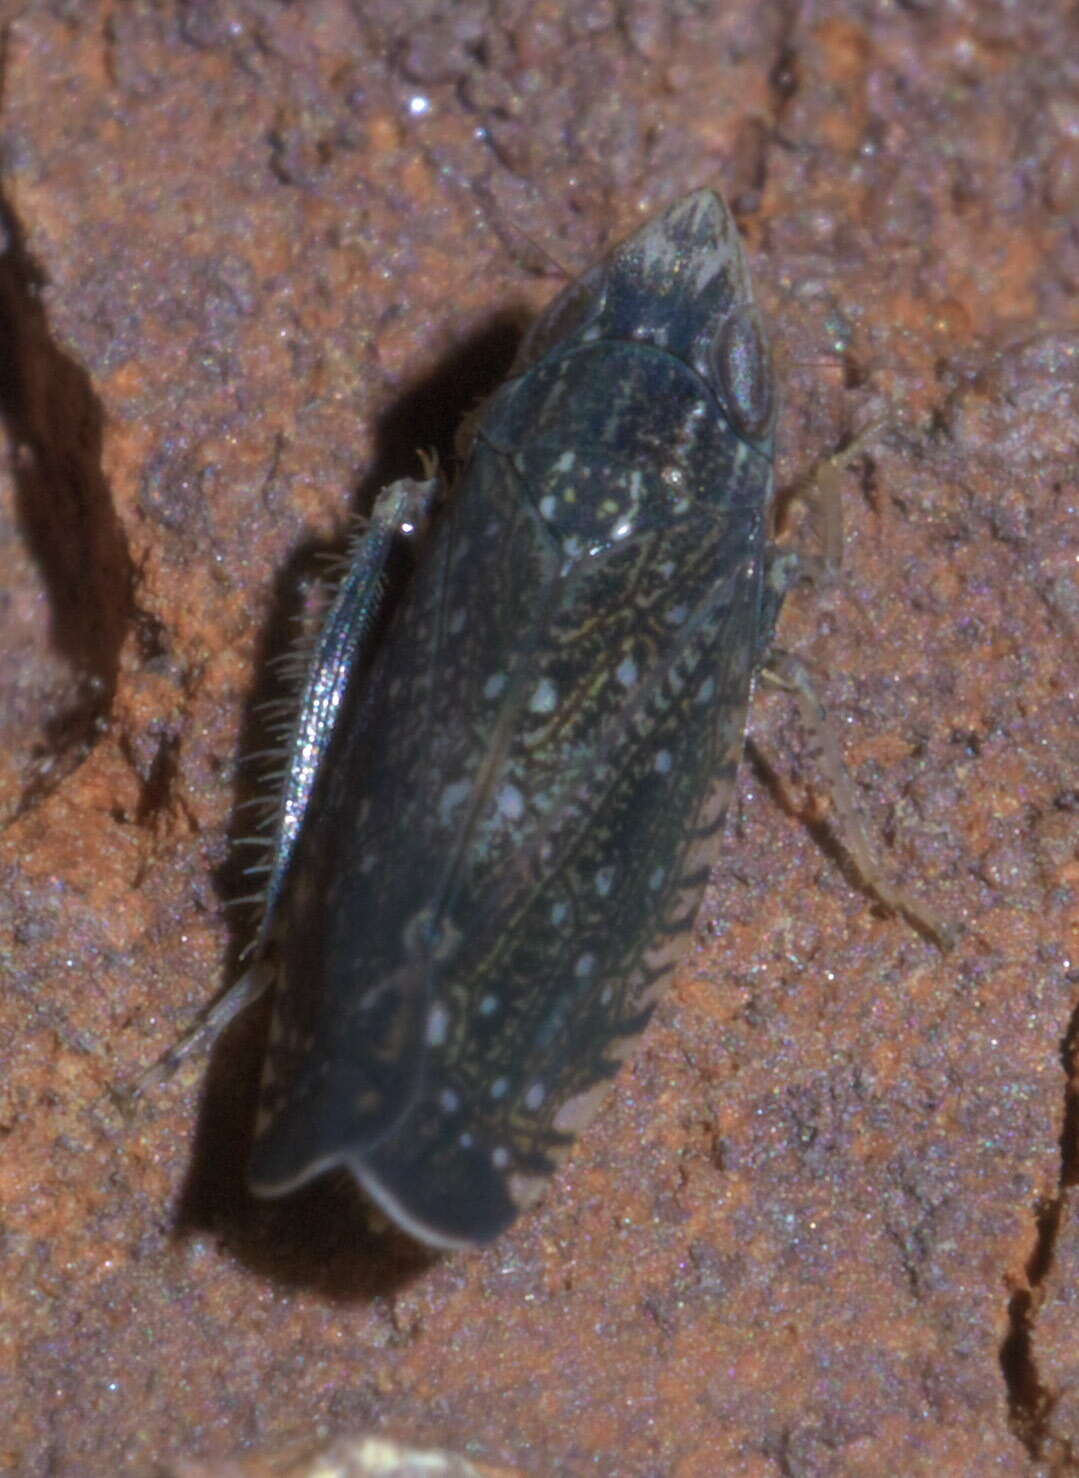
(205, 1030)
(785, 567)
(789, 673)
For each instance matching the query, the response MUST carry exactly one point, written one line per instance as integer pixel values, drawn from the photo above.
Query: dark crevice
(784, 76)
(1069, 1133)
(1030, 1400)
(63, 506)
(160, 784)
(784, 79)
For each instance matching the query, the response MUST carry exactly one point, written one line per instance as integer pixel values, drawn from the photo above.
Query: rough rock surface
(256, 254)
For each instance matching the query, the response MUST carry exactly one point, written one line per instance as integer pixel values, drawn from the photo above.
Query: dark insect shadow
(317, 1237)
(320, 1237)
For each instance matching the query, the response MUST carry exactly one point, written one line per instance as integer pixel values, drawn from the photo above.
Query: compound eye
(743, 369)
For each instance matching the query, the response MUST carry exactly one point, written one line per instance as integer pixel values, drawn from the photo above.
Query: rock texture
(256, 255)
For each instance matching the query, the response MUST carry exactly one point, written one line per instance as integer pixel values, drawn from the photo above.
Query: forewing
(360, 928)
(581, 871)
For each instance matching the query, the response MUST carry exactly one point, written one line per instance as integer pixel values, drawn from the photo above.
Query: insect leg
(787, 672)
(819, 490)
(401, 511)
(205, 1030)
(785, 567)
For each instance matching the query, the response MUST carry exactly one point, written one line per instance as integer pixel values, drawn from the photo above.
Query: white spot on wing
(438, 1024)
(452, 796)
(545, 698)
(511, 803)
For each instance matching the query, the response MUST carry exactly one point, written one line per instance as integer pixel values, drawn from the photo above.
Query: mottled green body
(485, 880)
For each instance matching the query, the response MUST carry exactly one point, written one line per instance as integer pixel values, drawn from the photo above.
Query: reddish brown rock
(259, 254)
(345, 1457)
